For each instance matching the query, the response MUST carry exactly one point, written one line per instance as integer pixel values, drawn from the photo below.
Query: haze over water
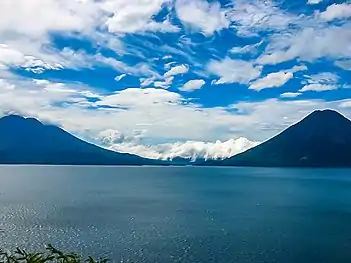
(180, 214)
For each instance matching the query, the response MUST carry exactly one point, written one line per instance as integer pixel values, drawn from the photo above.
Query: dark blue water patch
(180, 214)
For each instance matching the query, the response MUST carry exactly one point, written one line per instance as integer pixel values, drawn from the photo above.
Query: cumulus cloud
(21, 16)
(245, 49)
(324, 77)
(318, 87)
(290, 94)
(272, 80)
(51, 59)
(133, 97)
(192, 85)
(181, 69)
(111, 137)
(120, 77)
(327, 78)
(344, 64)
(314, 2)
(135, 16)
(202, 15)
(233, 71)
(336, 11)
(251, 17)
(345, 104)
(320, 82)
(321, 41)
(191, 150)
(164, 84)
(30, 43)
(14, 58)
(298, 68)
(30, 46)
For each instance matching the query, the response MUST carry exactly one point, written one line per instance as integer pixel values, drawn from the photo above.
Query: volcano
(322, 139)
(28, 141)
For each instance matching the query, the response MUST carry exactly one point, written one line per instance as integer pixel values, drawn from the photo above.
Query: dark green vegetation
(51, 255)
(28, 141)
(322, 139)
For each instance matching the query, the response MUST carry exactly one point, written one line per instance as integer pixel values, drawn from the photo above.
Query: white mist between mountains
(192, 150)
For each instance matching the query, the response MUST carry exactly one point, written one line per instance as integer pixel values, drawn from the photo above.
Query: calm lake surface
(180, 214)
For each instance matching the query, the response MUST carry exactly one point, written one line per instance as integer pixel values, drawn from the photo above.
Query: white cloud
(142, 69)
(336, 11)
(33, 49)
(297, 68)
(250, 17)
(166, 57)
(344, 64)
(321, 43)
(233, 71)
(169, 65)
(290, 94)
(245, 49)
(120, 77)
(192, 150)
(161, 113)
(193, 84)
(111, 137)
(314, 2)
(38, 97)
(136, 97)
(35, 59)
(136, 16)
(345, 104)
(272, 80)
(202, 15)
(322, 78)
(146, 82)
(13, 58)
(320, 82)
(164, 84)
(181, 69)
(318, 87)
(35, 19)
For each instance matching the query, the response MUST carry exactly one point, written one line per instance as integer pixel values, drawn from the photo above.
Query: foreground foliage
(51, 255)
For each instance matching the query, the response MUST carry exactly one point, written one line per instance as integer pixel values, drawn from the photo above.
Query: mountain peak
(17, 121)
(322, 139)
(325, 118)
(326, 113)
(28, 141)
(12, 117)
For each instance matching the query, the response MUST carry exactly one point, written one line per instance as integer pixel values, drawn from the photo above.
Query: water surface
(180, 214)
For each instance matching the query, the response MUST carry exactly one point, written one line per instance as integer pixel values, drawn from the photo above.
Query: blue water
(180, 214)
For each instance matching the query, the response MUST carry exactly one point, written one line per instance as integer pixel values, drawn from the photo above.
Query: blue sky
(140, 74)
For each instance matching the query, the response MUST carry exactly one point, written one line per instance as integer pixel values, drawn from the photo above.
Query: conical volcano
(28, 141)
(322, 139)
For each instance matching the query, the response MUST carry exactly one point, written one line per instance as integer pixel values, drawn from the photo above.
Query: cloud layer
(190, 150)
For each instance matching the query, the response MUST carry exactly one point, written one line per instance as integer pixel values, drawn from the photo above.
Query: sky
(168, 78)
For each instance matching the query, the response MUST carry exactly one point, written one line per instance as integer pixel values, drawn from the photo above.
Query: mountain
(322, 139)
(28, 141)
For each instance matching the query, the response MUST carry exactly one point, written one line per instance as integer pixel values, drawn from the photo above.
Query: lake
(180, 214)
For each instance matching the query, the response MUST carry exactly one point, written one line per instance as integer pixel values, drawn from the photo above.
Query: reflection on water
(180, 214)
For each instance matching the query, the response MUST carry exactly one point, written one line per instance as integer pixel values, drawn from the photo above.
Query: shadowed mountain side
(322, 139)
(28, 141)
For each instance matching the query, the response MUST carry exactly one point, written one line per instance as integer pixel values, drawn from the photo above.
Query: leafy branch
(51, 255)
